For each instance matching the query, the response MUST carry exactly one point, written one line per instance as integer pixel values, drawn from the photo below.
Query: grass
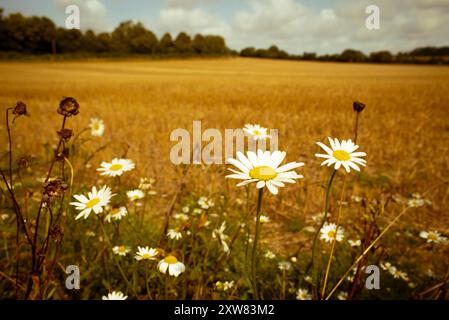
(404, 130)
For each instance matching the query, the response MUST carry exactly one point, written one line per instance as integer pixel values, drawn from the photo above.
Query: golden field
(404, 130)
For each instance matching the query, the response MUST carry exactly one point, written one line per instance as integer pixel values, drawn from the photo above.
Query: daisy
(224, 286)
(205, 203)
(303, 294)
(181, 216)
(185, 209)
(415, 202)
(256, 131)
(397, 274)
(97, 127)
(121, 250)
(342, 154)
(170, 263)
(145, 253)
(116, 167)
(263, 168)
(136, 194)
(355, 243)
(146, 184)
(115, 295)
(385, 265)
(173, 234)
(432, 236)
(116, 214)
(264, 219)
(329, 232)
(95, 201)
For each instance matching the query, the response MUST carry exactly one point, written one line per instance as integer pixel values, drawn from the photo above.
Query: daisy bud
(358, 106)
(68, 107)
(20, 109)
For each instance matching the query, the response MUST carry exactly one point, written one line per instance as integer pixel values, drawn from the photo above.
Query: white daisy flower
(116, 167)
(416, 202)
(185, 209)
(284, 265)
(197, 211)
(116, 214)
(96, 127)
(303, 294)
(221, 236)
(181, 216)
(269, 255)
(256, 131)
(397, 274)
(121, 250)
(355, 243)
(115, 295)
(385, 265)
(432, 236)
(263, 168)
(329, 232)
(264, 219)
(95, 201)
(173, 234)
(146, 184)
(342, 154)
(146, 253)
(136, 194)
(170, 263)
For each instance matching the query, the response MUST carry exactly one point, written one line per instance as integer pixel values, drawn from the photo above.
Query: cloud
(92, 13)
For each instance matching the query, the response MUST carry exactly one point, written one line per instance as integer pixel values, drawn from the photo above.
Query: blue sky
(322, 26)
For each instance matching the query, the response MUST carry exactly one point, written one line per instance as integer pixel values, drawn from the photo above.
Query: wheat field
(404, 130)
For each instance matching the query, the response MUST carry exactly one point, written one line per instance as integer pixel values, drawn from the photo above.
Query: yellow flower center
(433, 236)
(96, 126)
(146, 256)
(263, 173)
(331, 234)
(115, 167)
(341, 155)
(92, 202)
(122, 249)
(171, 260)
(257, 133)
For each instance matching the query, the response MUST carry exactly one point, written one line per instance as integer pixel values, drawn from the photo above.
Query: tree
(183, 43)
(131, 37)
(350, 55)
(166, 45)
(381, 57)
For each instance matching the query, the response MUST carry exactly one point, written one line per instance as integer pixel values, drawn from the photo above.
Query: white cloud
(92, 13)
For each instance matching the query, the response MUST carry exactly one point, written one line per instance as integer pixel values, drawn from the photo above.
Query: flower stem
(315, 238)
(329, 262)
(256, 240)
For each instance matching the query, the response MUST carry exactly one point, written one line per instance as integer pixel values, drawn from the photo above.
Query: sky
(297, 26)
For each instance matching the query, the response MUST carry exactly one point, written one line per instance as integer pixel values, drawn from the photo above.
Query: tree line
(39, 36)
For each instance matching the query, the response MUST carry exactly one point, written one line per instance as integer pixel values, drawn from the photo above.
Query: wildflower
(329, 232)
(146, 184)
(116, 167)
(356, 198)
(181, 216)
(308, 279)
(342, 154)
(342, 296)
(116, 214)
(355, 243)
(173, 234)
(284, 266)
(171, 263)
(269, 255)
(293, 259)
(224, 286)
(136, 194)
(385, 265)
(221, 236)
(397, 274)
(358, 106)
(263, 168)
(4, 216)
(185, 209)
(121, 250)
(146, 253)
(20, 109)
(115, 295)
(90, 233)
(432, 236)
(96, 127)
(205, 203)
(264, 219)
(415, 203)
(303, 294)
(256, 131)
(197, 211)
(95, 201)
(68, 107)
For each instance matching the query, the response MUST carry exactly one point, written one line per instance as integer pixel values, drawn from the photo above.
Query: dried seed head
(24, 162)
(54, 188)
(358, 106)
(57, 232)
(68, 107)
(65, 134)
(20, 109)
